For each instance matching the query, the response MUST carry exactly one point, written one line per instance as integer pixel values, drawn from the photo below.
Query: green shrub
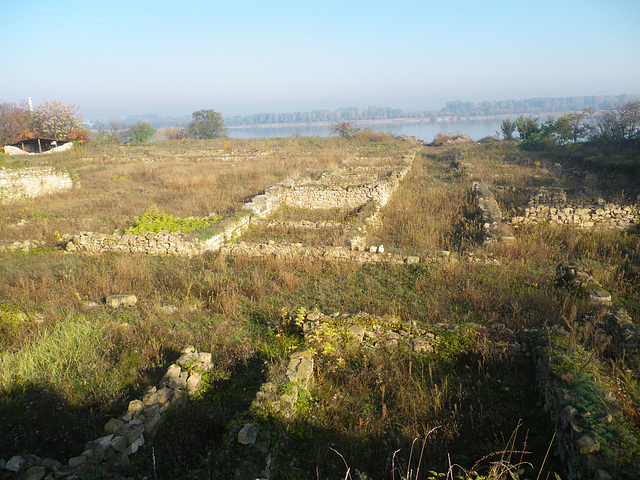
(141, 132)
(156, 220)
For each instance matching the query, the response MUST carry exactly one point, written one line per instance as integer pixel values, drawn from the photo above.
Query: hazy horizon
(240, 58)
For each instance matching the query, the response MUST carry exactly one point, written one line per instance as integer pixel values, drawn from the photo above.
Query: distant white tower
(30, 104)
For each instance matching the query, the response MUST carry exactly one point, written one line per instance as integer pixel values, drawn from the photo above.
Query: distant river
(424, 130)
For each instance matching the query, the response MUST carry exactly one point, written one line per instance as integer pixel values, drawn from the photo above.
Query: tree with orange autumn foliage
(13, 122)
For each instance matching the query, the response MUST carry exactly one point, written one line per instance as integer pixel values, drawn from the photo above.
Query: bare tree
(12, 122)
(619, 125)
(115, 129)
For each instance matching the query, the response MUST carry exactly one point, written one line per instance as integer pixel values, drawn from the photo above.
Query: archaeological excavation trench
(328, 219)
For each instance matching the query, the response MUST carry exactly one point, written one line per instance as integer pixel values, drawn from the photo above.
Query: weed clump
(156, 220)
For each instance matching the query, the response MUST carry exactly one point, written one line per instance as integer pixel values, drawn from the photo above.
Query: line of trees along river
(424, 130)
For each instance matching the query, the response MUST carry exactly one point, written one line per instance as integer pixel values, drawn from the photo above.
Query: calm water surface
(476, 129)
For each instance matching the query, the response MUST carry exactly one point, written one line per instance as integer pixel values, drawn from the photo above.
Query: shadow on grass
(490, 403)
(194, 437)
(36, 419)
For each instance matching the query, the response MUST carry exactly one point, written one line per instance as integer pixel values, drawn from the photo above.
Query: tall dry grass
(195, 178)
(377, 401)
(427, 215)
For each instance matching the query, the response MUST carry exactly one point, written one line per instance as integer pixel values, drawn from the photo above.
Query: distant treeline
(530, 106)
(535, 105)
(348, 114)
(454, 108)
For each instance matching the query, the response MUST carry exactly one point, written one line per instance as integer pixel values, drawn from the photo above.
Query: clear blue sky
(121, 57)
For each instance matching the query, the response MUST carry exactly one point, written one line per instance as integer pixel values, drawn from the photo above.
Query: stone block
(173, 372)
(113, 425)
(179, 398)
(135, 408)
(132, 430)
(77, 461)
(101, 443)
(164, 396)
(599, 296)
(177, 383)
(248, 434)
(135, 445)
(300, 367)
(150, 399)
(15, 463)
(119, 443)
(357, 332)
(193, 382)
(116, 301)
(151, 411)
(37, 472)
(587, 444)
(151, 424)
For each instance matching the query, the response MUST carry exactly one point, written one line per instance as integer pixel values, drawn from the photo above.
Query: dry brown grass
(427, 215)
(379, 400)
(196, 178)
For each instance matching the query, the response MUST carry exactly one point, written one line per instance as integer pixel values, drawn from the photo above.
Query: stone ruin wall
(326, 196)
(553, 205)
(290, 193)
(313, 197)
(126, 434)
(608, 215)
(17, 184)
(578, 443)
(139, 424)
(162, 243)
(298, 250)
(493, 228)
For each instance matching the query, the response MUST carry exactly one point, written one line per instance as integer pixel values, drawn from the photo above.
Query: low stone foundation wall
(335, 190)
(298, 250)
(332, 196)
(578, 277)
(289, 193)
(162, 243)
(553, 205)
(608, 215)
(590, 434)
(594, 436)
(308, 225)
(16, 184)
(126, 434)
(492, 225)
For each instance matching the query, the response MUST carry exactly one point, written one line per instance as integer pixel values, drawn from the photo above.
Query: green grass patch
(157, 220)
